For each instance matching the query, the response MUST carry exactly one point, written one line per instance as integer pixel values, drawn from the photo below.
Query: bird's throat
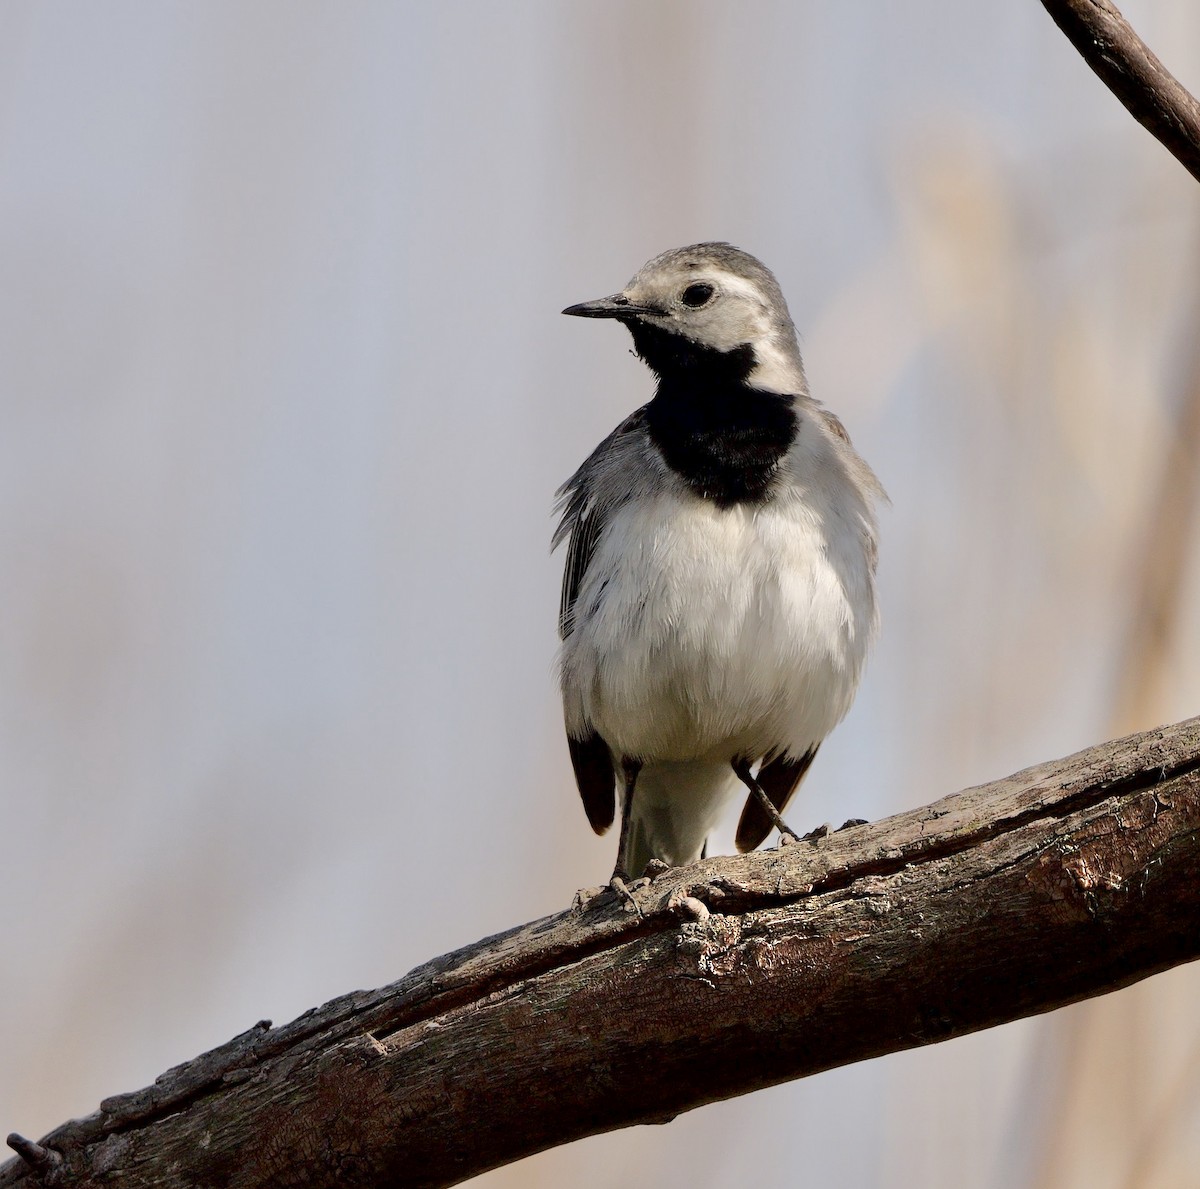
(725, 439)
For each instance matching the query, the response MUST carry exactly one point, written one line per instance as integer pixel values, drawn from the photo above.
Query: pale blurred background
(285, 399)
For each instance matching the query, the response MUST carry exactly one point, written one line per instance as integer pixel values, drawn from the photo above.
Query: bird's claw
(618, 887)
(624, 892)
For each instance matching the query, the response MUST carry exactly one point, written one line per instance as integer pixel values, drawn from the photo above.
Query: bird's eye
(696, 295)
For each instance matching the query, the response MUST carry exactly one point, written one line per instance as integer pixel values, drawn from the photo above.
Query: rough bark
(1126, 65)
(1064, 881)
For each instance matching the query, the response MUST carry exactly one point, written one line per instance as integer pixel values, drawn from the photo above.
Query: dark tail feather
(596, 779)
(779, 779)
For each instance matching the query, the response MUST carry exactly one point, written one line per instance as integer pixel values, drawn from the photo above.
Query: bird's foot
(623, 891)
(619, 888)
(586, 898)
(786, 834)
(822, 831)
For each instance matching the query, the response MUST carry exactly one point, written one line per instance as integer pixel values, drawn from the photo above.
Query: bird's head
(709, 306)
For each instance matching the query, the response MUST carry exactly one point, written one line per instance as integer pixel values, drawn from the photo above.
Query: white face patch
(751, 322)
(774, 371)
(739, 313)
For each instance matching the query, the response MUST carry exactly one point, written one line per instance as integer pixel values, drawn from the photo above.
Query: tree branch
(1126, 65)
(1064, 881)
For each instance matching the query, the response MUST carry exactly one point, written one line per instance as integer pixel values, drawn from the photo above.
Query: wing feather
(585, 511)
(586, 505)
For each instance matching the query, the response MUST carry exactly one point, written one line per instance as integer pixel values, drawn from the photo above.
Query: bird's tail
(638, 851)
(675, 808)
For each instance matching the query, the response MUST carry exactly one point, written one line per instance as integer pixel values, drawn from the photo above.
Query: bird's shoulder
(826, 431)
(603, 479)
(831, 473)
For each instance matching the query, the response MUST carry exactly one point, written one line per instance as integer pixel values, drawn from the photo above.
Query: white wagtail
(719, 593)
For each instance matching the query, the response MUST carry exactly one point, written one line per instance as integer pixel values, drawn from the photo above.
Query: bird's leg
(742, 768)
(630, 768)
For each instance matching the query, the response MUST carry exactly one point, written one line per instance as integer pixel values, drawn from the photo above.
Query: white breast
(704, 632)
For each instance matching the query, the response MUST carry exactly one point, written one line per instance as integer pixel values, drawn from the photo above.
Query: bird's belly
(705, 633)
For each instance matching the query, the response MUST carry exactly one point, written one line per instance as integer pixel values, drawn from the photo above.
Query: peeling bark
(1064, 881)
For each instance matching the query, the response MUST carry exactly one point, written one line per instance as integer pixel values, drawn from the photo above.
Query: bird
(719, 588)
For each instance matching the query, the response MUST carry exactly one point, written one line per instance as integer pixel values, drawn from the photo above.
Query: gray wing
(587, 500)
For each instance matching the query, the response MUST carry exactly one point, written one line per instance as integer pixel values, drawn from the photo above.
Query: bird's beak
(617, 306)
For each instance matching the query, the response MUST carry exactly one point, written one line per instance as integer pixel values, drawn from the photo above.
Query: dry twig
(1126, 65)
